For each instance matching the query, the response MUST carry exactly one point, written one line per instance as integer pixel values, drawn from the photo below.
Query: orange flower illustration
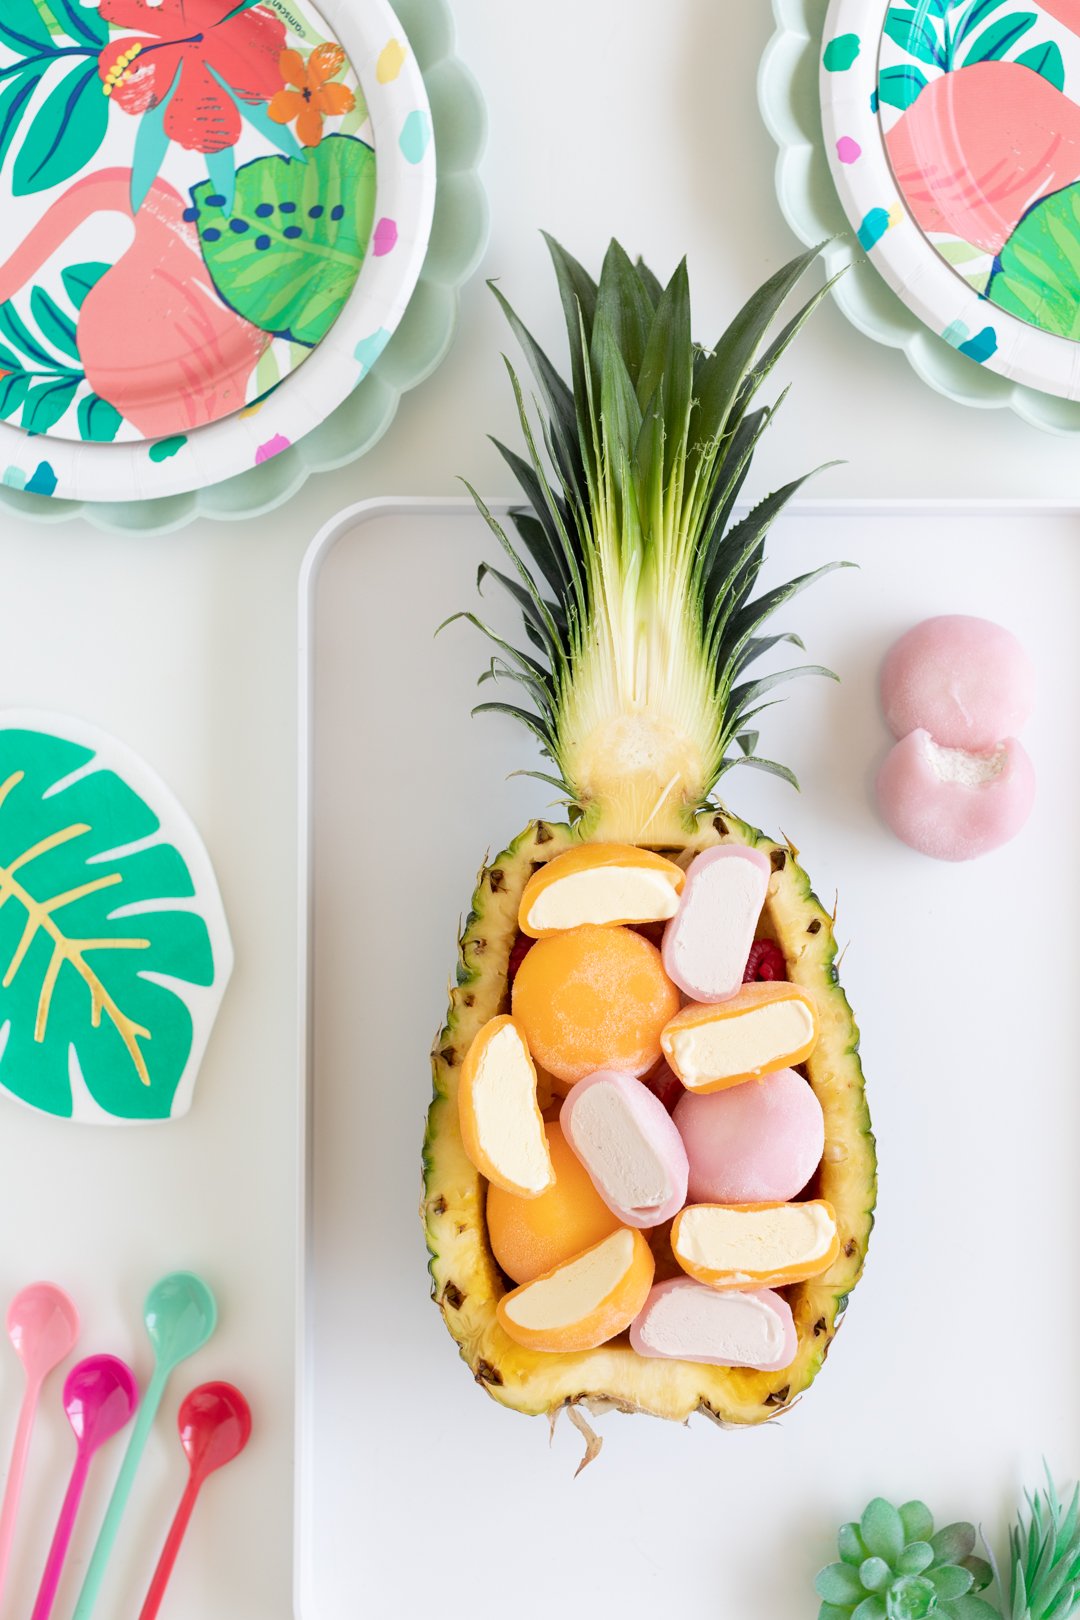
(314, 96)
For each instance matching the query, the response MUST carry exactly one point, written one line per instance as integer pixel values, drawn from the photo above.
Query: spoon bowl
(43, 1325)
(180, 1315)
(215, 1426)
(100, 1397)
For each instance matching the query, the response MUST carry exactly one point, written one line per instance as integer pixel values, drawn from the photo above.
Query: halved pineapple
(634, 672)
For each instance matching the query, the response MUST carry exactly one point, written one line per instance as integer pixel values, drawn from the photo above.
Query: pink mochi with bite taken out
(966, 681)
(707, 942)
(629, 1144)
(758, 1143)
(951, 804)
(685, 1320)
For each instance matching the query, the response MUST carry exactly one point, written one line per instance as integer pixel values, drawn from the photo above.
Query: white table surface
(607, 117)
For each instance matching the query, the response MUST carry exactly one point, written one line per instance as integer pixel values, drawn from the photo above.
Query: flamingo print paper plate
(953, 133)
(219, 211)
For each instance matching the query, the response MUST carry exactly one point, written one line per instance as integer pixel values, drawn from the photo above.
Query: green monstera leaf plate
(114, 948)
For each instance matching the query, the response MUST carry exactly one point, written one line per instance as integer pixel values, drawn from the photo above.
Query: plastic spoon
(100, 1397)
(180, 1315)
(43, 1325)
(215, 1426)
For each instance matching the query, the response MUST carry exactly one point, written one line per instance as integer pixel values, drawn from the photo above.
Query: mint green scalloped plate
(789, 99)
(420, 342)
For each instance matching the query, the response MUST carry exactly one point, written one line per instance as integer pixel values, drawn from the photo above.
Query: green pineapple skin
(465, 1280)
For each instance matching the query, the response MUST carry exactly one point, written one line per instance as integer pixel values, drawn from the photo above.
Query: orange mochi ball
(593, 998)
(530, 1236)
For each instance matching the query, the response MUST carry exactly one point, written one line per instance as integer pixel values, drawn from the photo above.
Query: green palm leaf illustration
(114, 950)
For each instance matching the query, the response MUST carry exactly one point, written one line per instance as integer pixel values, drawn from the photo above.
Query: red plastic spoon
(215, 1426)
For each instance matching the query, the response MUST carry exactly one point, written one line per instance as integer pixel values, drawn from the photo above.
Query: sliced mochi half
(602, 884)
(586, 1301)
(707, 942)
(951, 804)
(686, 1321)
(766, 1026)
(502, 1129)
(630, 1145)
(755, 1245)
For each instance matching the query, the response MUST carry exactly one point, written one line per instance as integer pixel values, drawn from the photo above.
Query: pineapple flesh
(636, 589)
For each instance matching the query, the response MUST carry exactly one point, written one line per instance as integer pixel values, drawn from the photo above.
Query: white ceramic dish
(414, 1490)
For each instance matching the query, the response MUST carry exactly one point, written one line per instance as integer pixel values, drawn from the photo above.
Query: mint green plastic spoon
(180, 1315)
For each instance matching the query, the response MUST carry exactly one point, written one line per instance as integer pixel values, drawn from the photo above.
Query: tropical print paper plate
(953, 132)
(218, 212)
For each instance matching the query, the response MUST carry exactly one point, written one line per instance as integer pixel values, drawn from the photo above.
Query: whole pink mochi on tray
(708, 940)
(758, 1143)
(629, 1144)
(685, 1320)
(954, 805)
(966, 681)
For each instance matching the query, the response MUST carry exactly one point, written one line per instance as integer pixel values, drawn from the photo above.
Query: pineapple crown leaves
(635, 585)
(894, 1567)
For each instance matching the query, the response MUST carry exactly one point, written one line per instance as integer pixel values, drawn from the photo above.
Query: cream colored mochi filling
(957, 765)
(741, 1043)
(749, 1242)
(604, 894)
(508, 1127)
(694, 1322)
(734, 889)
(631, 1174)
(575, 1290)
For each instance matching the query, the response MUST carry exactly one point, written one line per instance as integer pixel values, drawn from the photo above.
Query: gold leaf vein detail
(40, 919)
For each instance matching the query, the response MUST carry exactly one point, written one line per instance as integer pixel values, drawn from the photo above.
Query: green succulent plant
(894, 1567)
(1045, 1558)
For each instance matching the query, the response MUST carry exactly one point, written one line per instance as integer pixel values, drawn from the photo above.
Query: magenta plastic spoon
(100, 1397)
(43, 1325)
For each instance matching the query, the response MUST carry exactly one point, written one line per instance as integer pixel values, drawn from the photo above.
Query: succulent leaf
(916, 1556)
(852, 1547)
(871, 1608)
(875, 1574)
(950, 1580)
(839, 1583)
(883, 1530)
(954, 1543)
(912, 1597)
(917, 1520)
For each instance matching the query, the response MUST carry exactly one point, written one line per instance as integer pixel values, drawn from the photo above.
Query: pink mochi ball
(708, 940)
(758, 1143)
(966, 681)
(954, 805)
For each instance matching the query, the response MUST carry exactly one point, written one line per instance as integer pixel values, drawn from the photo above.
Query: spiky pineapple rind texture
(466, 1281)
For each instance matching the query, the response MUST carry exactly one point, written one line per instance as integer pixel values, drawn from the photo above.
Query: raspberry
(766, 961)
(519, 951)
(665, 1085)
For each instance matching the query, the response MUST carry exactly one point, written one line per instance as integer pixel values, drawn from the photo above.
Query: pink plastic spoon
(215, 1426)
(43, 1325)
(100, 1397)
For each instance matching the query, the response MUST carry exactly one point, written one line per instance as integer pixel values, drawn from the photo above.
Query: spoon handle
(172, 1546)
(19, 1453)
(114, 1513)
(65, 1524)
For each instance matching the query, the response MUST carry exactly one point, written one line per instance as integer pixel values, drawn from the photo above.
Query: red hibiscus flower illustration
(192, 48)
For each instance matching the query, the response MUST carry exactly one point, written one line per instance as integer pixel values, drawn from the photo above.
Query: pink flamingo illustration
(155, 339)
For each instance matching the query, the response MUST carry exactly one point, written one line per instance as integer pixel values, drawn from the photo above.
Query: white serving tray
(954, 1372)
